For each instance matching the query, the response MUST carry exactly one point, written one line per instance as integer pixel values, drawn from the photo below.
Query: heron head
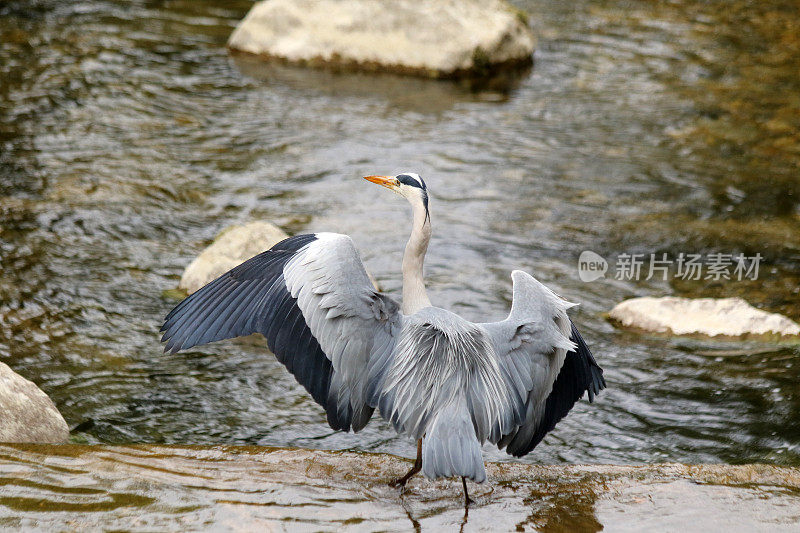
(408, 184)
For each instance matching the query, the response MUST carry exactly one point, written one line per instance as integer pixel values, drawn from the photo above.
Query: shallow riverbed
(230, 488)
(129, 138)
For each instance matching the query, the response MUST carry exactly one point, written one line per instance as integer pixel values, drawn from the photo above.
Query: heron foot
(467, 499)
(401, 482)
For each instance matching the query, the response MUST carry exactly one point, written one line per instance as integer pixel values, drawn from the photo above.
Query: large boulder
(232, 247)
(729, 317)
(431, 38)
(26, 413)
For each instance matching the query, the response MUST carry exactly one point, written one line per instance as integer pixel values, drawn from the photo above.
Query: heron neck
(414, 295)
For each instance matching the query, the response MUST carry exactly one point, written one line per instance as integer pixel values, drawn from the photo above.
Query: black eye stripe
(405, 179)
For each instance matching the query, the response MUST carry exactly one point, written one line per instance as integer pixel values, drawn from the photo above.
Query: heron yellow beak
(387, 181)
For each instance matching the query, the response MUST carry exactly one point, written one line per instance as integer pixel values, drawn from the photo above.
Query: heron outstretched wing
(310, 296)
(544, 362)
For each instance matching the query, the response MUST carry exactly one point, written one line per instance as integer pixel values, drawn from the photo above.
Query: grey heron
(448, 383)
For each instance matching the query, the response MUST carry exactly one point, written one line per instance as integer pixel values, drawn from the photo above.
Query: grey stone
(728, 317)
(232, 247)
(235, 245)
(26, 413)
(431, 38)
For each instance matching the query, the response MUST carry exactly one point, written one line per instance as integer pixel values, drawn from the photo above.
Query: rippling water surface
(252, 488)
(129, 138)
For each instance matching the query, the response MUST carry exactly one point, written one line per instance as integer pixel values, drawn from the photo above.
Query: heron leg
(467, 499)
(401, 482)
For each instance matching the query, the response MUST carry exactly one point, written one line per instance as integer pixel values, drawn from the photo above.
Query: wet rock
(232, 247)
(435, 38)
(26, 413)
(729, 317)
(248, 488)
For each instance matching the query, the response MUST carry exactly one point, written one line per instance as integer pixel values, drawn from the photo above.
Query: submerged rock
(233, 246)
(431, 38)
(247, 488)
(26, 413)
(729, 317)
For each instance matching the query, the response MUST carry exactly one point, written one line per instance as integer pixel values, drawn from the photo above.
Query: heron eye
(405, 179)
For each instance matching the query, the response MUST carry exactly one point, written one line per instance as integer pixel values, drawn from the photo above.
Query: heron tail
(450, 447)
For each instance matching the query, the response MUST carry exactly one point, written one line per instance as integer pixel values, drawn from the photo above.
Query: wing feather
(539, 348)
(311, 298)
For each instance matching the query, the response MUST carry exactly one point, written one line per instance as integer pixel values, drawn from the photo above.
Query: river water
(129, 138)
(250, 488)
